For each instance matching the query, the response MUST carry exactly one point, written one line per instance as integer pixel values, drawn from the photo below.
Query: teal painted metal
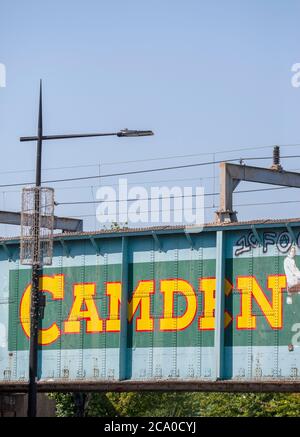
(65, 247)
(292, 233)
(6, 250)
(123, 311)
(256, 234)
(95, 245)
(220, 305)
(172, 284)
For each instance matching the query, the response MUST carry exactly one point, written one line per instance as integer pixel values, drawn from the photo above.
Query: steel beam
(6, 250)
(157, 241)
(96, 245)
(189, 239)
(63, 223)
(292, 233)
(123, 311)
(67, 224)
(232, 174)
(65, 247)
(163, 385)
(256, 234)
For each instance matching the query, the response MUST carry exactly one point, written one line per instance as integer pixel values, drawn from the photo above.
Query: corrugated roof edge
(161, 229)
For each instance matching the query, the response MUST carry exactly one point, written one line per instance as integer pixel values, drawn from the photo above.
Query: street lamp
(36, 303)
(121, 133)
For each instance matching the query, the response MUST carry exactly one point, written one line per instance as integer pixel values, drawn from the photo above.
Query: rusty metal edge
(287, 386)
(148, 230)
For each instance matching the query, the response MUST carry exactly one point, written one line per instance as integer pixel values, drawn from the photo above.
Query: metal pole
(79, 400)
(34, 313)
(36, 302)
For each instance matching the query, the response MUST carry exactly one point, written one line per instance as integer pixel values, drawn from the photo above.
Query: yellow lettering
(249, 287)
(113, 290)
(169, 287)
(50, 284)
(84, 295)
(208, 288)
(140, 299)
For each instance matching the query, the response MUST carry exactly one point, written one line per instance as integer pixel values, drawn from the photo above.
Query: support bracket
(190, 240)
(96, 245)
(291, 233)
(65, 247)
(256, 234)
(232, 174)
(6, 250)
(157, 241)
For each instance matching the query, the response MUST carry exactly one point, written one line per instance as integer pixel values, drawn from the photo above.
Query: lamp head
(134, 133)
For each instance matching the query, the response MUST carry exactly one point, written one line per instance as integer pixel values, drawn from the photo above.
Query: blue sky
(206, 76)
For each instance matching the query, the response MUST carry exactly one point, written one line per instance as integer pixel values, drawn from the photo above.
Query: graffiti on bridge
(283, 241)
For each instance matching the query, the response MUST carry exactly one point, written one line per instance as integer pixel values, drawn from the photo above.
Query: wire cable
(192, 155)
(205, 207)
(86, 202)
(151, 170)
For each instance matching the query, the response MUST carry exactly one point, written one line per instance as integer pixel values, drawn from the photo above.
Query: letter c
(49, 284)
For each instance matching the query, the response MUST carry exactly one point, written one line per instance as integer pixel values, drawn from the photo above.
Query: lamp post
(35, 302)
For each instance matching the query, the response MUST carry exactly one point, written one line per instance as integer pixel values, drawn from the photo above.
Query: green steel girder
(220, 305)
(123, 311)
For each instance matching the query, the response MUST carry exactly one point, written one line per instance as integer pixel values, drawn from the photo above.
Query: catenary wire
(205, 207)
(84, 202)
(145, 171)
(256, 147)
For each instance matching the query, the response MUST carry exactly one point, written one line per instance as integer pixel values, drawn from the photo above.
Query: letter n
(250, 289)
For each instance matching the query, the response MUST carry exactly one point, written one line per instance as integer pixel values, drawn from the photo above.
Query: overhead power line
(80, 178)
(61, 188)
(205, 207)
(86, 202)
(191, 155)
